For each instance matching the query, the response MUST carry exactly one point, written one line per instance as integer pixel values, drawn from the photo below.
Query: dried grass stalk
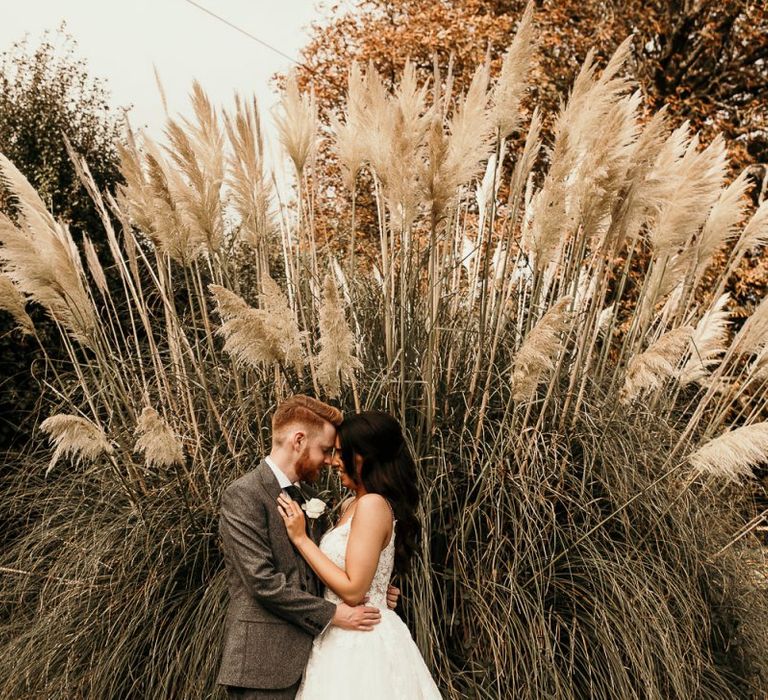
(649, 369)
(732, 455)
(538, 352)
(336, 360)
(75, 437)
(157, 440)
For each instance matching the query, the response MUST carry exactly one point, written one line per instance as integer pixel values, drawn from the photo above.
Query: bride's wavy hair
(388, 469)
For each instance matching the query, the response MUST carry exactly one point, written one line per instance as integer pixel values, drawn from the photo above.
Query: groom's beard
(305, 470)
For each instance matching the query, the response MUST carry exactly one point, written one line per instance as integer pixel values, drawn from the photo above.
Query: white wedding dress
(384, 664)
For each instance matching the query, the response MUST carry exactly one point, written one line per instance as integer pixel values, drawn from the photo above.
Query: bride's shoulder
(373, 505)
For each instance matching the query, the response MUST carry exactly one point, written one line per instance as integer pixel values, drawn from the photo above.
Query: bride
(376, 532)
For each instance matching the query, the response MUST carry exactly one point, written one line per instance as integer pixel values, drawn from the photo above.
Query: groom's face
(318, 452)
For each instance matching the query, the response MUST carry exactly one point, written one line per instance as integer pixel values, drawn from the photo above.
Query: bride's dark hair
(388, 469)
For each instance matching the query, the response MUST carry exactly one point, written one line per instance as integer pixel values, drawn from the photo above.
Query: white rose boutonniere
(314, 508)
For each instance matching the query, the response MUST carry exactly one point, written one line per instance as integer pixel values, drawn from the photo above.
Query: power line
(249, 35)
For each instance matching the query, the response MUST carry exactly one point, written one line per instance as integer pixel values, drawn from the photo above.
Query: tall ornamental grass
(583, 438)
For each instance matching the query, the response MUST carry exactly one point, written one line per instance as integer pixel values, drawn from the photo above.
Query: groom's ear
(298, 440)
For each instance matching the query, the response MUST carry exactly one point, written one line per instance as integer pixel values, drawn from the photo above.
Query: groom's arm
(244, 532)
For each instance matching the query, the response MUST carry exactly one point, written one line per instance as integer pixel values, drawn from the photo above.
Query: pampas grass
(12, 301)
(570, 548)
(76, 437)
(538, 353)
(41, 259)
(732, 455)
(156, 439)
(336, 361)
(651, 368)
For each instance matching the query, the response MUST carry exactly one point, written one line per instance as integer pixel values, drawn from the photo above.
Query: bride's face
(338, 465)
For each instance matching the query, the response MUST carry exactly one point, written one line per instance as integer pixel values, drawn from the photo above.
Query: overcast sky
(122, 39)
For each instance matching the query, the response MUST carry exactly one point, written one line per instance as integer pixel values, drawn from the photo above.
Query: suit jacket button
(303, 586)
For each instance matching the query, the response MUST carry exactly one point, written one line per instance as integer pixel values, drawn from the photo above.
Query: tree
(46, 93)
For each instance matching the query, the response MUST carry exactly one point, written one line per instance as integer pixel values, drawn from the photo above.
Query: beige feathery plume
(246, 335)
(297, 123)
(509, 89)
(604, 318)
(392, 131)
(697, 179)
(756, 231)
(97, 271)
(336, 360)
(12, 301)
(350, 136)
(753, 335)
(734, 453)
(41, 259)
(154, 197)
(722, 222)
(259, 336)
(250, 189)
(76, 437)
(157, 440)
(197, 149)
(594, 134)
(282, 325)
(539, 350)
(708, 342)
(649, 369)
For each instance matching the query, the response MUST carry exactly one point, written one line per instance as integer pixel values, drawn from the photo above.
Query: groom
(275, 607)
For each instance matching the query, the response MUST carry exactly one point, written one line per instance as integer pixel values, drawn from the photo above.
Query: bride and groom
(285, 636)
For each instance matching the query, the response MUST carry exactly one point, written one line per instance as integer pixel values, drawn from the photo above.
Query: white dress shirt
(282, 479)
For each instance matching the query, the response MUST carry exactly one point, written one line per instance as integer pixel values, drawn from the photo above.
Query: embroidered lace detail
(334, 545)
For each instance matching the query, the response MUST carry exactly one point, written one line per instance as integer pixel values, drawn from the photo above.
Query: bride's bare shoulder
(373, 505)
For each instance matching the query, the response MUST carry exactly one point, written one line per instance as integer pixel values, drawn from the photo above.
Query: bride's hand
(293, 517)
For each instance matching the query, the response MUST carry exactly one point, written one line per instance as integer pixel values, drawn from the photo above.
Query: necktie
(295, 493)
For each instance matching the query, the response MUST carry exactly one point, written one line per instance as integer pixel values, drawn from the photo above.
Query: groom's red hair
(306, 411)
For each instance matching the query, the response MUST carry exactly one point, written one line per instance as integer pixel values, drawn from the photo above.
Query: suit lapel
(272, 487)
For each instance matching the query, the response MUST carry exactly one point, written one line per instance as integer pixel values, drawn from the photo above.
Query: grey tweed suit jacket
(274, 608)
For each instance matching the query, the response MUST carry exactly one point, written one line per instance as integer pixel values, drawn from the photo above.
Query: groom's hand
(393, 595)
(360, 618)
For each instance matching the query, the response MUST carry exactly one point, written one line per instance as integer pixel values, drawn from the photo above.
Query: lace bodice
(334, 545)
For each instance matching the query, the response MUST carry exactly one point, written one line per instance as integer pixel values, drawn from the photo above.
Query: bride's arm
(370, 527)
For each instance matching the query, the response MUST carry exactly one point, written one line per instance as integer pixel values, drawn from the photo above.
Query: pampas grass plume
(707, 342)
(336, 359)
(76, 437)
(650, 368)
(537, 353)
(297, 124)
(510, 87)
(281, 325)
(244, 331)
(12, 301)
(732, 455)
(259, 336)
(157, 440)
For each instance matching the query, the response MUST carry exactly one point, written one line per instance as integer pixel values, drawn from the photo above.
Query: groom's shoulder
(247, 483)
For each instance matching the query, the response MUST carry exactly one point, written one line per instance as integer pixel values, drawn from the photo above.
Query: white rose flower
(314, 508)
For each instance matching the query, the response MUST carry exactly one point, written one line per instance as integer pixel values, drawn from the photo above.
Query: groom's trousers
(262, 694)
